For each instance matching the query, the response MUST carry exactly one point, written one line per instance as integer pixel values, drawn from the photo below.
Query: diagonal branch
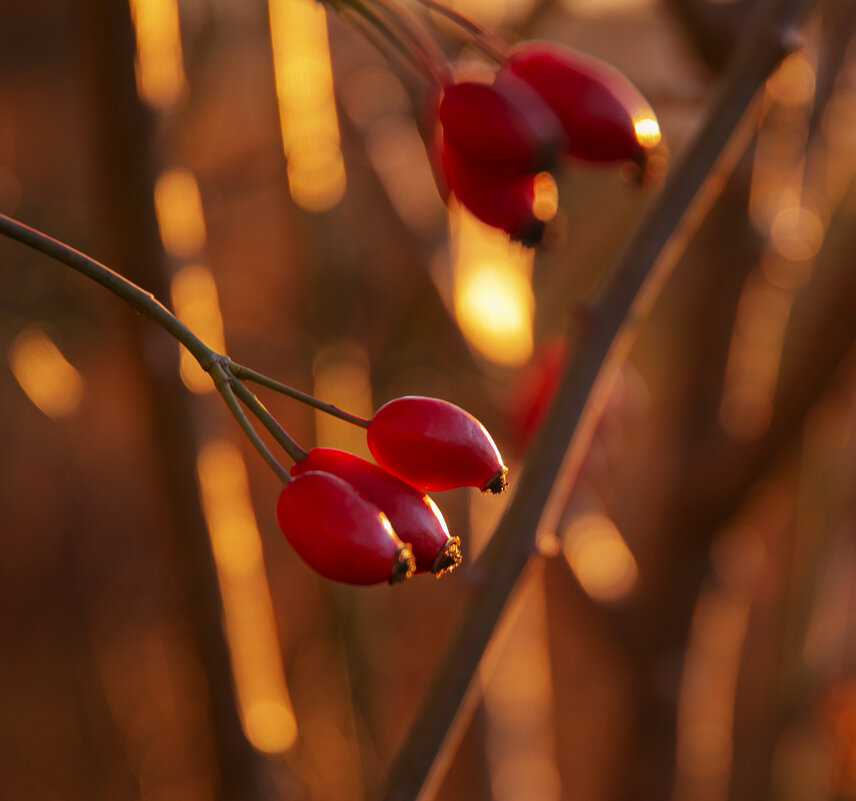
(602, 336)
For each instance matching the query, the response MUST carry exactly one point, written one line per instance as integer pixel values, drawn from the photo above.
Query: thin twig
(428, 51)
(603, 336)
(142, 301)
(374, 29)
(226, 388)
(146, 303)
(486, 40)
(269, 422)
(246, 374)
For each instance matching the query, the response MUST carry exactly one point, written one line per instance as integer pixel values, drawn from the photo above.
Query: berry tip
(449, 557)
(403, 564)
(498, 482)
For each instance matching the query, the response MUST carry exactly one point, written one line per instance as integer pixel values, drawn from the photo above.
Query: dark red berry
(340, 534)
(500, 198)
(435, 445)
(605, 117)
(505, 124)
(414, 516)
(535, 389)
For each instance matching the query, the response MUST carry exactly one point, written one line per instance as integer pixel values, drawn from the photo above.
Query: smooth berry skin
(498, 197)
(340, 534)
(435, 445)
(506, 124)
(414, 516)
(596, 104)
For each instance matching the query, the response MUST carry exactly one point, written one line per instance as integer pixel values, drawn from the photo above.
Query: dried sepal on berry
(415, 517)
(435, 445)
(339, 533)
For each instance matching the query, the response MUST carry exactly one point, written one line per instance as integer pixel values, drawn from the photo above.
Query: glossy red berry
(500, 198)
(505, 124)
(414, 516)
(340, 534)
(435, 445)
(604, 116)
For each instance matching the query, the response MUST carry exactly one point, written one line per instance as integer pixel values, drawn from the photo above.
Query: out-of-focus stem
(602, 336)
(488, 41)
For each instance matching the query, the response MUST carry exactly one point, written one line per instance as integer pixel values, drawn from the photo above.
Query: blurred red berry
(339, 533)
(498, 197)
(605, 117)
(505, 124)
(535, 389)
(435, 445)
(414, 516)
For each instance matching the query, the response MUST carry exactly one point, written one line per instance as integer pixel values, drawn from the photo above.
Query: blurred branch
(602, 335)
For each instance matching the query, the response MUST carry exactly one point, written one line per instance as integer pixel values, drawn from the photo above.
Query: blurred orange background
(259, 167)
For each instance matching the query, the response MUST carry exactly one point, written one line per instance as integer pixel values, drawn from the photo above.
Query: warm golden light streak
(196, 304)
(341, 374)
(50, 381)
(545, 204)
(797, 233)
(492, 293)
(752, 369)
(517, 689)
(179, 211)
(647, 129)
(793, 83)
(265, 706)
(307, 109)
(599, 557)
(160, 71)
(706, 708)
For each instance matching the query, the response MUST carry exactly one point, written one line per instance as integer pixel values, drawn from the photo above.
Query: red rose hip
(605, 118)
(414, 516)
(505, 124)
(339, 533)
(435, 445)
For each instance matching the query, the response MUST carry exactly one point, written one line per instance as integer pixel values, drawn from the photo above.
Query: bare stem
(602, 337)
(246, 374)
(269, 422)
(373, 27)
(428, 51)
(486, 40)
(142, 301)
(216, 364)
(226, 388)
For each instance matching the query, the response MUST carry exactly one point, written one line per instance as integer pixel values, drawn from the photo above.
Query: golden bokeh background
(690, 632)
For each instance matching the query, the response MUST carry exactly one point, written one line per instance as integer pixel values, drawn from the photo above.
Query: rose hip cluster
(497, 144)
(363, 523)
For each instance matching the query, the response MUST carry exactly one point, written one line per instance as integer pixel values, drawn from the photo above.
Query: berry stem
(426, 49)
(247, 374)
(485, 40)
(268, 421)
(370, 23)
(226, 387)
